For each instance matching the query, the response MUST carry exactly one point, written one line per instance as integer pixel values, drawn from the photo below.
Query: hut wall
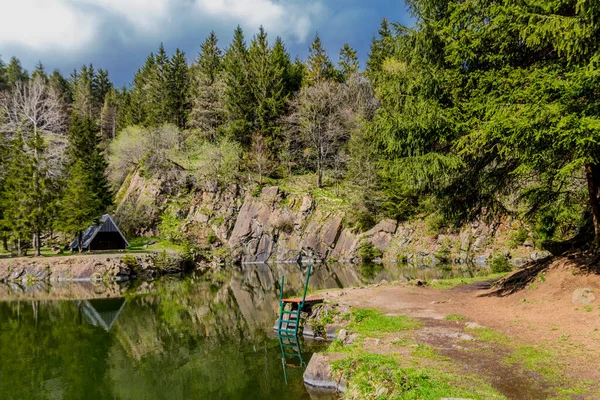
(107, 241)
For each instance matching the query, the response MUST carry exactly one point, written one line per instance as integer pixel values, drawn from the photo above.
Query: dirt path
(541, 316)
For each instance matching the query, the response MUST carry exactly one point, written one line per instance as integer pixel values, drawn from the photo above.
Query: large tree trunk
(592, 174)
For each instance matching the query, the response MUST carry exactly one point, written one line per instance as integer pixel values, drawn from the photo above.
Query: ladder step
(287, 330)
(289, 312)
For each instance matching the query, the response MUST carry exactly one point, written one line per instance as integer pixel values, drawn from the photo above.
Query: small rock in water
(584, 296)
(473, 325)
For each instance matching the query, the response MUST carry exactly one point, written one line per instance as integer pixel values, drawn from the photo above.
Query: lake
(195, 337)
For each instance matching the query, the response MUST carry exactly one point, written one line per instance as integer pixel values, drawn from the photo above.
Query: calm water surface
(198, 337)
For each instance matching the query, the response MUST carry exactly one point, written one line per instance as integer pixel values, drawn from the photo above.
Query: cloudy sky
(118, 34)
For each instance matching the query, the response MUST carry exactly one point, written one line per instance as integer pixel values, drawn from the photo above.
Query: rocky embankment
(280, 227)
(89, 267)
(240, 224)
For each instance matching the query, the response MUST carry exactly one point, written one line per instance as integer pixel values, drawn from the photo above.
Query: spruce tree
(348, 63)
(210, 58)
(39, 72)
(3, 76)
(82, 89)
(381, 48)
(20, 196)
(101, 86)
(267, 85)
(207, 89)
(238, 97)
(84, 146)
(15, 72)
(319, 67)
(178, 87)
(80, 205)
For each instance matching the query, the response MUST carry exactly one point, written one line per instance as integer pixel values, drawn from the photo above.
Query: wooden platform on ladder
(290, 309)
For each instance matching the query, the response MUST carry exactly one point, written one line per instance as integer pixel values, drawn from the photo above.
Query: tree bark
(80, 242)
(592, 174)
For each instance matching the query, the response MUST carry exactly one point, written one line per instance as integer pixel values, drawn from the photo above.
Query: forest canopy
(480, 109)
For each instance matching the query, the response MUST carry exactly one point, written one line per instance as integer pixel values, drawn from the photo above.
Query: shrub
(212, 237)
(518, 237)
(499, 263)
(170, 227)
(367, 252)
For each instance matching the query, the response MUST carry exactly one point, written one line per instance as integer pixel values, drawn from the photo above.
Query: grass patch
(377, 376)
(369, 322)
(490, 336)
(426, 351)
(455, 317)
(451, 283)
(141, 244)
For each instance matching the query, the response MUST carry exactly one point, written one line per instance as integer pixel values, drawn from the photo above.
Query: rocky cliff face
(275, 226)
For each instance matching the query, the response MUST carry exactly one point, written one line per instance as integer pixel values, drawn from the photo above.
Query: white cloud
(285, 18)
(45, 23)
(69, 25)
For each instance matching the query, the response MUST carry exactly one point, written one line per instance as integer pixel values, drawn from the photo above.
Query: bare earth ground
(541, 314)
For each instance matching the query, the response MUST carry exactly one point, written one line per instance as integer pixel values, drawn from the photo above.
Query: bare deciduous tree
(318, 121)
(260, 156)
(34, 110)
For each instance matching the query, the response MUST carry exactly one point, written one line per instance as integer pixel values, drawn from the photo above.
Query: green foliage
(319, 67)
(216, 163)
(170, 227)
(518, 237)
(499, 264)
(367, 252)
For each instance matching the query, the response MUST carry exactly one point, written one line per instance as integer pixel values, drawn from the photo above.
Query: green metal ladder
(289, 317)
(290, 347)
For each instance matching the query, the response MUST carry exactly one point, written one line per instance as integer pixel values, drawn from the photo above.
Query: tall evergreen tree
(83, 94)
(210, 58)
(178, 87)
(208, 88)
(18, 201)
(80, 205)
(84, 147)
(3, 76)
(15, 72)
(238, 97)
(348, 63)
(39, 72)
(319, 67)
(267, 85)
(101, 86)
(382, 47)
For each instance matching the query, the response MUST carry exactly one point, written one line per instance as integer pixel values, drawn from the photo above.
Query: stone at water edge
(342, 334)
(584, 296)
(318, 374)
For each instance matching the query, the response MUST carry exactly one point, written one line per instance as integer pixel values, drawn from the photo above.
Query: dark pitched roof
(106, 224)
(102, 312)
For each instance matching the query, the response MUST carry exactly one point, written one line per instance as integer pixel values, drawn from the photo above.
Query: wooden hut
(104, 236)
